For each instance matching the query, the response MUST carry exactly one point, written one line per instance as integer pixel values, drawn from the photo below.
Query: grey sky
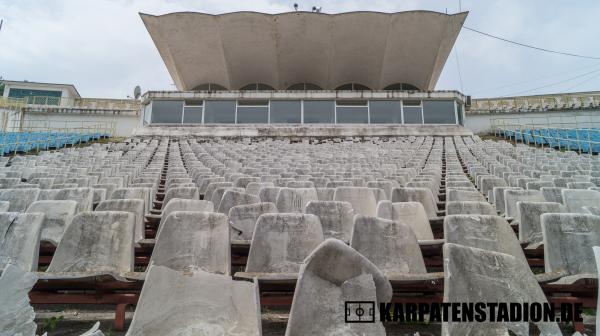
(103, 48)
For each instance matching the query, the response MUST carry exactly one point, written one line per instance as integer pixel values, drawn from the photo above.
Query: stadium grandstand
(304, 178)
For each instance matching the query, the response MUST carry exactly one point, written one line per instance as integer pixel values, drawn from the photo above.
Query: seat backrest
(20, 239)
(58, 215)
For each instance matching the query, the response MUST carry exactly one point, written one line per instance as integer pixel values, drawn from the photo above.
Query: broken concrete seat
(185, 193)
(512, 197)
(492, 233)
(254, 187)
(135, 206)
(391, 245)
(568, 241)
(20, 239)
(295, 199)
(552, 194)
(464, 195)
(96, 243)
(331, 275)
(190, 240)
(530, 225)
(232, 198)
(19, 199)
(242, 218)
(362, 199)
(268, 194)
(576, 199)
(410, 213)
(336, 218)
(99, 195)
(421, 195)
(470, 208)
(282, 241)
(195, 303)
(16, 314)
(58, 215)
(479, 275)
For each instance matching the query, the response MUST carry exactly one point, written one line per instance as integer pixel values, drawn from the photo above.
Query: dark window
(385, 112)
(257, 87)
(219, 112)
(353, 87)
(401, 87)
(352, 112)
(253, 114)
(192, 114)
(304, 87)
(167, 111)
(286, 112)
(37, 97)
(209, 87)
(459, 111)
(319, 112)
(439, 112)
(412, 112)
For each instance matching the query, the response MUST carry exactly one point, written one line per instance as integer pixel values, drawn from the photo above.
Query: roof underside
(368, 48)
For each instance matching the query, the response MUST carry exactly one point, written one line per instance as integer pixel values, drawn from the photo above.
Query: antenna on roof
(316, 9)
(137, 92)
(295, 6)
(1, 22)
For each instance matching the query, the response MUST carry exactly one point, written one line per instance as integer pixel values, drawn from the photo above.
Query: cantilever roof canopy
(327, 50)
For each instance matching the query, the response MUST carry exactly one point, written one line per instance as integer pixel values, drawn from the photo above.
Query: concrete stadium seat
(387, 186)
(19, 199)
(325, 194)
(410, 213)
(391, 245)
(218, 193)
(58, 216)
(592, 210)
(195, 303)
(232, 198)
(336, 218)
(568, 241)
(211, 187)
(478, 275)
(362, 199)
(538, 185)
(492, 233)
(421, 195)
(580, 185)
(88, 248)
(9, 182)
(470, 208)
(282, 241)
(185, 193)
(333, 273)
(242, 218)
(134, 206)
(295, 199)
(20, 240)
(268, 194)
(530, 227)
(552, 194)
(190, 240)
(512, 197)
(254, 187)
(499, 200)
(576, 199)
(300, 184)
(488, 183)
(464, 195)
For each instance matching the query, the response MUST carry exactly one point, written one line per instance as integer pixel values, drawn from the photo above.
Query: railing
(83, 103)
(576, 101)
(577, 132)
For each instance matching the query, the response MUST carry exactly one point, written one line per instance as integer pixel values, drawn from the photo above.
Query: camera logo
(359, 312)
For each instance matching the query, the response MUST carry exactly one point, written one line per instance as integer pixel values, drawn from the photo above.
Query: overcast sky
(103, 48)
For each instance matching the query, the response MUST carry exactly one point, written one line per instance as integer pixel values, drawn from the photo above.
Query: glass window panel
(439, 112)
(385, 112)
(286, 112)
(352, 115)
(459, 109)
(193, 114)
(219, 112)
(147, 114)
(167, 111)
(253, 114)
(319, 112)
(412, 115)
(253, 102)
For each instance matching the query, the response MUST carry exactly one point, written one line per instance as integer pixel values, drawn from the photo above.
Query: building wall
(65, 92)
(481, 123)
(124, 123)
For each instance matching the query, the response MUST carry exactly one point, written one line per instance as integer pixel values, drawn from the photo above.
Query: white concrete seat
(334, 273)
(96, 243)
(387, 186)
(362, 199)
(325, 194)
(20, 239)
(268, 194)
(552, 194)
(580, 185)
(488, 183)
(9, 182)
(538, 185)
(512, 197)
(185, 193)
(218, 193)
(190, 240)
(391, 245)
(211, 187)
(464, 195)
(281, 242)
(478, 275)
(410, 213)
(421, 195)
(19, 199)
(492, 233)
(4, 206)
(232, 198)
(242, 218)
(499, 201)
(336, 218)
(254, 187)
(134, 206)
(530, 227)
(295, 199)
(58, 216)
(568, 241)
(470, 208)
(576, 199)
(195, 303)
